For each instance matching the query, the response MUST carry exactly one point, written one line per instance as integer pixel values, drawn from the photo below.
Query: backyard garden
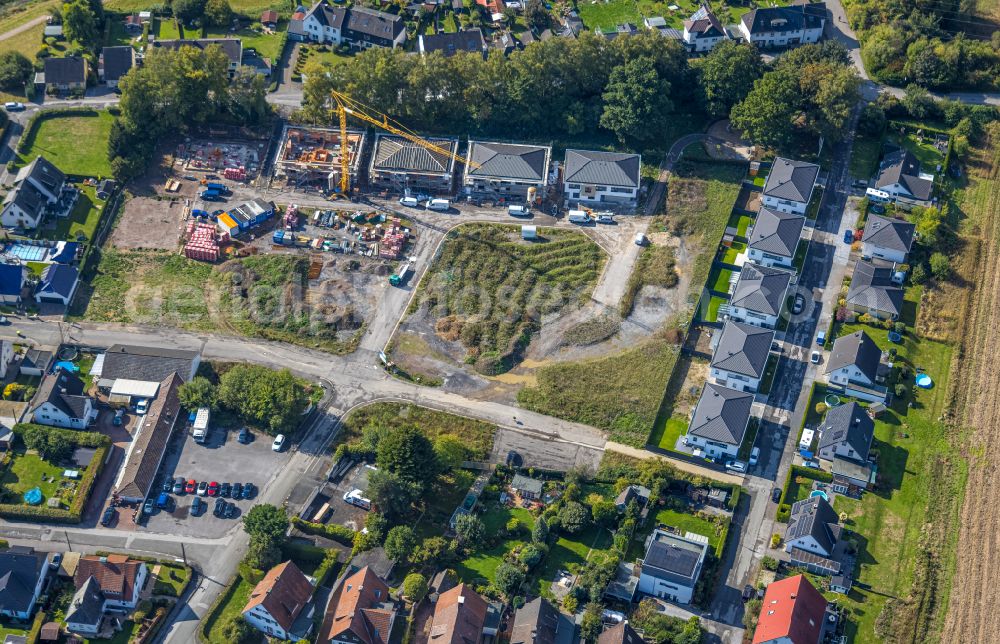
(74, 140)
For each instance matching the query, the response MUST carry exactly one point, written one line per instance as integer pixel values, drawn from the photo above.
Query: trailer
(221, 188)
(399, 277)
(212, 195)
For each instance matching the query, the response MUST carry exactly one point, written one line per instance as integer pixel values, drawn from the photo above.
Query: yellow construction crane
(347, 105)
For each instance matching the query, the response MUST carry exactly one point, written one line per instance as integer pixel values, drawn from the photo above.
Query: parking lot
(223, 459)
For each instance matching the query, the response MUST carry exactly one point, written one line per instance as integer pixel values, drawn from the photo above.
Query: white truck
(200, 425)
(579, 217)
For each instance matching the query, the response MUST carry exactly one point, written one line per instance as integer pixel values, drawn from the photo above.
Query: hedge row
(785, 508)
(214, 608)
(340, 534)
(36, 627)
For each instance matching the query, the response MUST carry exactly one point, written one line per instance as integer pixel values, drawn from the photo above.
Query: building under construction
(310, 156)
(398, 164)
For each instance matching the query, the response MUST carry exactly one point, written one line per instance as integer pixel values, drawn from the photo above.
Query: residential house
(659, 24)
(620, 633)
(376, 560)
(625, 29)
(792, 613)
(703, 30)
(145, 453)
(539, 622)
(846, 432)
(449, 44)
(504, 43)
(874, 292)
(58, 284)
(887, 239)
(85, 614)
(399, 164)
(741, 356)
(638, 493)
(720, 421)
(38, 186)
(144, 364)
(526, 487)
(510, 171)
(231, 47)
(23, 575)
(789, 185)
(900, 180)
(775, 237)
(813, 526)
(759, 295)
(279, 605)
(672, 565)
(67, 74)
(269, 19)
(595, 178)
(358, 27)
(6, 356)
(35, 362)
(461, 616)
(118, 578)
(855, 367)
(12, 277)
(114, 63)
(360, 610)
(772, 27)
(61, 401)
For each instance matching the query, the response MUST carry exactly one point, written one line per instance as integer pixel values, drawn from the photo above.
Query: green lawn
(129, 630)
(864, 156)
(608, 13)
(570, 553)
(76, 144)
(167, 29)
(482, 564)
(812, 210)
(82, 221)
(605, 15)
(740, 222)
(926, 153)
(688, 522)
(713, 308)
(720, 282)
(673, 429)
(800, 255)
(729, 254)
(27, 471)
(235, 599)
(760, 180)
(27, 42)
(267, 45)
(171, 580)
(7, 630)
(768, 378)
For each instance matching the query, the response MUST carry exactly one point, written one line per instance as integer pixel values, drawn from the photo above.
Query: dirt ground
(973, 613)
(149, 224)
(748, 199)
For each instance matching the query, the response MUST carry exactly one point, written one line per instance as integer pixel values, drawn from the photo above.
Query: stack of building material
(393, 241)
(291, 216)
(235, 174)
(203, 242)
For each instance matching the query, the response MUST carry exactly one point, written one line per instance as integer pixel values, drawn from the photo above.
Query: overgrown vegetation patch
(657, 266)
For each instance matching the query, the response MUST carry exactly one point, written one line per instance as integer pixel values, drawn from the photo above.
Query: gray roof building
(376, 560)
(602, 168)
(71, 70)
(794, 17)
(743, 349)
(872, 288)
(674, 558)
(620, 633)
(814, 517)
(231, 47)
(364, 23)
(894, 234)
(116, 62)
(761, 289)
(36, 359)
(848, 423)
(28, 199)
(788, 179)
(508, 162)
(527, 484)
(902, 167)
(449, 44)
(144, 457)
(20, 569)
(87, 606)
(46, 176)
(640, 493)
(58, 280)
(855, 349)
(148, 364)
(722, 414)
(396, 154)
(539, 622)
(776, 233)
(64, 391)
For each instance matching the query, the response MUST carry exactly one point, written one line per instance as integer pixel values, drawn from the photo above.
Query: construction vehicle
(211, 195)
(399, 277)
(220, 187)
(346, 105)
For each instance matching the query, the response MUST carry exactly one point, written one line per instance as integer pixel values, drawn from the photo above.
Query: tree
(272, 399)
(415, 587)
(238, 631)
(728, 73)
(51, 444)
(248, 97)
(79, 22)
(829, 94)
(636, 101)
(408, 454)
(391, 495)
(590, 626)
(15, 70)
(450, 451)
(604, 512)
(188, 10)
(540, 533)
(266, 521)
(509, 579)
(573, 517)
(469, 528)
(400, 543)
(263, 553)
(537, 16)
(940, 266)
(218, 12)
(530, 555)
(768, 113)
(918, 102)
(198, 392)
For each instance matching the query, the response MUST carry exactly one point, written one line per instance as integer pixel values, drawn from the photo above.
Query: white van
(517, 210)
(578, 217)
(441, 205)
(640, 239)
(410, 202)
(605, 218)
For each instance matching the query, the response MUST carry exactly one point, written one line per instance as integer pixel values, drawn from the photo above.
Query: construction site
(236, 161)
(309, 157)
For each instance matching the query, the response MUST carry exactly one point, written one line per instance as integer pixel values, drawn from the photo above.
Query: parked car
(225, 490)
(517, 210)
(748, 592)
(220, 506)
(798, 303)
(237, 490)
(776, 494)
(13, 106)
(203, 488)
(142, 406)
(754, 455)
(179, 485)
(167, 486)
(605, 218)
(230, 510)
(409, 202)
(877, 208)
(244, 436)
(814, 357)
(147, 507)
(119, 418)
(279, 443)
(821, 338)
(213, 489)
(440, 205)
(54, 560)
(163, 501)
(108, 516)
(736, 466)
(848, 236)
(4, 321)
(248, 490)
(776, 347)
(191, 486)
(196, 506)
(812, 464)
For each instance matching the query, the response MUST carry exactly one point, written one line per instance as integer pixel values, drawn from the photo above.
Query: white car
(142, 406)
(356, 498)
(12, 106)
(754, 455)
(517, 210)
(279, 443)
(814, 357)
(410, 202)
(736, 466)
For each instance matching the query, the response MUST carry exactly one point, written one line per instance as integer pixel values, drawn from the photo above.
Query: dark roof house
(11, 280)
(509, 161)
(814, 517)
(539, 622)
(776, 233)
(36, 360)
(602, 168)
(848, 424)
(115, 62)
(148, 364)
(873, 290)
(722, 414)
(64, 391)
(231, 47)
(893, 234)
(902, 168)
(743, 349)
(363, 23)
(858, 350)
(20, 571)
(44, 174)
(147, 450)
(396, 154)
(761, 289)
(58, 283)
(449, 44)
(64, 73)
(795, 17)
(87, 606)
(789, 180)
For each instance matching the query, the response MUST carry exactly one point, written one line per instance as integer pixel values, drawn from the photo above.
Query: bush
(769, 563)
(340, 534)
(251, 575)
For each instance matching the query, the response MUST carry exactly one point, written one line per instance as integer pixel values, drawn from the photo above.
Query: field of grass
(620, 394)
(489, 289)
(267, 45)
(571, 553)
(475, 434)
(28, 42)
(740, 222)
(76, 144)
(720, 280)
(674, 428)
(712, 312)
(928, 155)
(82, 221)
(730, 254)
(28, 471)
(8, 630)
(482, 564)
(865, 155)
(171, 580)
(249, 8)
(608, 13)
(231, 606)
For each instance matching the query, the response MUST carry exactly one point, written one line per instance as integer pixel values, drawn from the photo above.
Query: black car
(196, 506)
(167, 486)
(220, 507)
(237, 490)
(776, 494)
(230, 510)
(248, 490)
(179, 485)
(108, 516)
(224, 490)
(748, 592)
(244, 436)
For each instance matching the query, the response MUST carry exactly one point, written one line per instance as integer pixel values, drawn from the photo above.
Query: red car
(191, 486)
(213, 489)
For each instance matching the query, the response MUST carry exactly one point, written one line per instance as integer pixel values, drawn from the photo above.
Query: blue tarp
(67, 366)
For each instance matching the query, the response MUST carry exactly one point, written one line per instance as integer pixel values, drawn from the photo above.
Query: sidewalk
(683, 466)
